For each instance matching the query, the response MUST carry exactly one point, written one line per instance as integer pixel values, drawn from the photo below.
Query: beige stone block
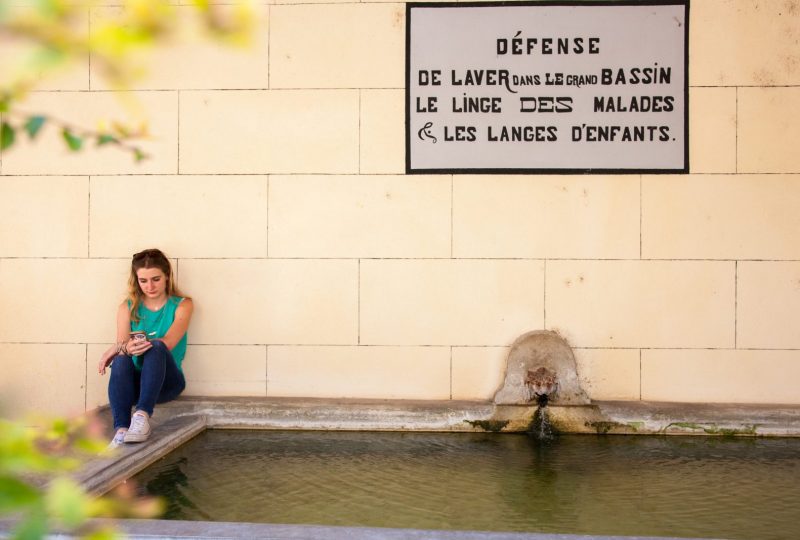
(218, 370)
(294, 301)
(96, 384)
(359, 216)
(61, 300)
(21, 58)
(712, 130)
(768, 304)
(478, 372)
(193, 58)
(720, 376)
(359, 372)
(382, 132)
(449, 302)
(609, 374)
(288, 131)
(42, 379)
(720, 217)
(630, 304)
(549, 216)
(742, 43)
(94, 110)
(337, 46)
(44, 216)
(14, 60)
(190, 216)
(769, 126)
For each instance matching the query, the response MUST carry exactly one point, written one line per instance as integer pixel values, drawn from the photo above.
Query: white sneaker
(117, 441)
(140, 428)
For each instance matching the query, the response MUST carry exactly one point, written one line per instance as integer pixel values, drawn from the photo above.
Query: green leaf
(34, 527)
(33, 125)
(90, 446)
(59, 428)
(7, 135)
(139, 155)
(73, 141)
(103, 534)
(106, 139)
(16, 494)
(67, 502)
(50, 8)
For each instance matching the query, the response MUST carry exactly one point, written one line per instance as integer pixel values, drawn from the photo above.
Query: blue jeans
(159, 381)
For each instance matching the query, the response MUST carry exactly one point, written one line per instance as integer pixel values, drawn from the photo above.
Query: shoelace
(138, 422)
(117, 441)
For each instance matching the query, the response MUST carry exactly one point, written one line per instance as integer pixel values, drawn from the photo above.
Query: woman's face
(152, 282)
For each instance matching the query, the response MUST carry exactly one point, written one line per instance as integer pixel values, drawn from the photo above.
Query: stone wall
(319, 269)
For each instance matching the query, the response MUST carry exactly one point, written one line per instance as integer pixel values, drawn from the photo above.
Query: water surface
(582, 484)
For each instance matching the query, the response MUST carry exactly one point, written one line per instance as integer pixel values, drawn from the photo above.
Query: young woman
(146, 371)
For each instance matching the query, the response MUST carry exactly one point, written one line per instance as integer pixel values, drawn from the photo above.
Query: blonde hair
(149, 258)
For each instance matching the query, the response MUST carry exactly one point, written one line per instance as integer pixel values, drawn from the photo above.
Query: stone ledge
(622, 417)
(100, 475)
(338, 414)
(649, 417)
(185, 530)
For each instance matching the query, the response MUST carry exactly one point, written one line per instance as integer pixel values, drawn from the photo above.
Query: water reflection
(168, 480)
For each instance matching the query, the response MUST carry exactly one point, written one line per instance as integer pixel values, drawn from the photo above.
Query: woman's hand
(106, 358)
(136, 347)
(133, 347)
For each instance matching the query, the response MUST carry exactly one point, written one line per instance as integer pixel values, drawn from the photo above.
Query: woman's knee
(122, 365)
(158, 347)
(157, 353)
(172, 388)
(123, 372)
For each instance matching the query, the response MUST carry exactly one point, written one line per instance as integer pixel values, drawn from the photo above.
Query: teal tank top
(156, 324)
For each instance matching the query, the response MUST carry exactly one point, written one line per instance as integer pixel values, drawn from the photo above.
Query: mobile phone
(138, 335)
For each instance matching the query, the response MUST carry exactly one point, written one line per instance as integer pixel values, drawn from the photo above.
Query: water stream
(540, 427)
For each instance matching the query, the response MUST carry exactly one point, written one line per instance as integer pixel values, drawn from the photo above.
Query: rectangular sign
(547, 87)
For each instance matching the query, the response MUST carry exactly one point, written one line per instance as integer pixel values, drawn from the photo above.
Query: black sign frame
(559, 170)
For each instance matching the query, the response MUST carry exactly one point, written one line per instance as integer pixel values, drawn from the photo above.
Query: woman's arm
(183, 314)
(123, 329)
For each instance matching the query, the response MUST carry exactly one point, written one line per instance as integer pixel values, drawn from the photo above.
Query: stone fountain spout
(541, 367)
(541, 385)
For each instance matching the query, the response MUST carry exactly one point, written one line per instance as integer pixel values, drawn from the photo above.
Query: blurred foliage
(55, 37)
(35, 456)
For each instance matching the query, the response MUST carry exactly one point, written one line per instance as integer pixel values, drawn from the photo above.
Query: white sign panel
(547, 87)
